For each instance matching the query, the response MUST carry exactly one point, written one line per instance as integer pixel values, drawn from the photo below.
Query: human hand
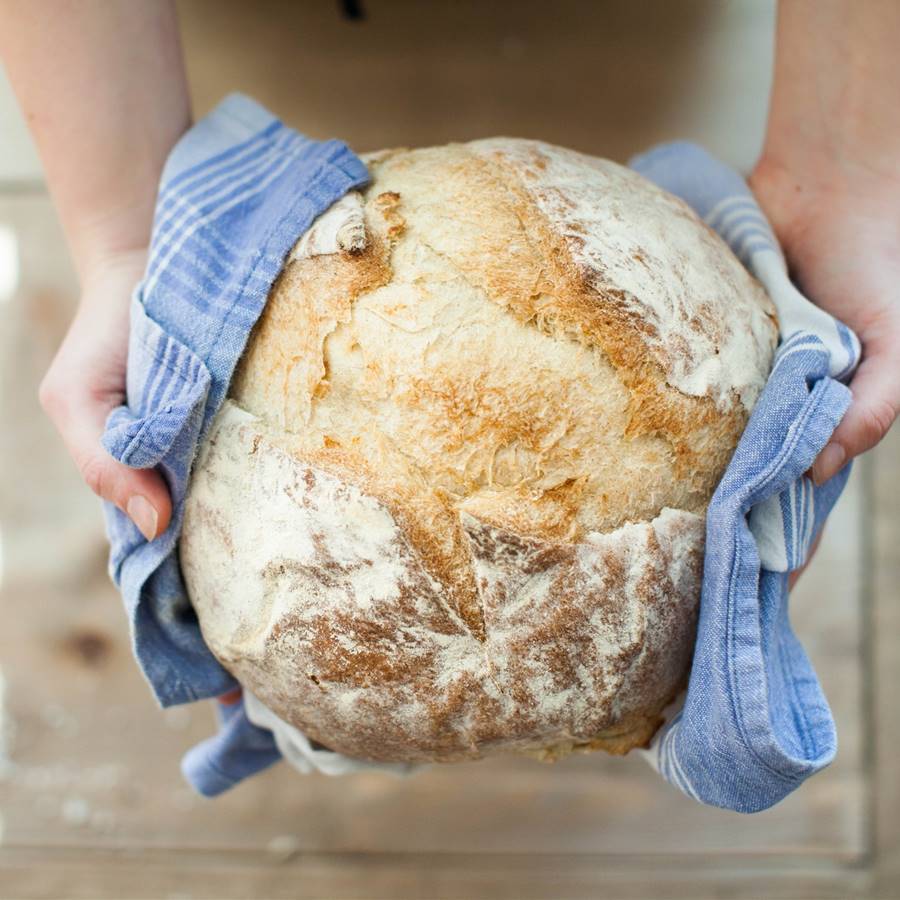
(86, 380)
(103, 90)
(840, 230)
(829, 180)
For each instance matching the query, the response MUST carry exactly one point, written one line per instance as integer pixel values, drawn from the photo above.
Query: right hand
(837, 223)
(86, 380)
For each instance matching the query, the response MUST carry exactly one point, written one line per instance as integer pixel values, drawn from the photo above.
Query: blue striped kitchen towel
(235, 193)
(754, 723)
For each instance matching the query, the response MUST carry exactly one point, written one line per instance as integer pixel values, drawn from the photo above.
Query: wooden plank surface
(237, 875)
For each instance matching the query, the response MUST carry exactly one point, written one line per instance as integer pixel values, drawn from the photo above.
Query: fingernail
(142, 513)
(829, 462)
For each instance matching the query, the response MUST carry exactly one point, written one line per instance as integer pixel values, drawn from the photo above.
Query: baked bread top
(455, 500)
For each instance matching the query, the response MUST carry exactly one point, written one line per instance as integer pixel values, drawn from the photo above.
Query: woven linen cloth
(236, 193)
(754, 723)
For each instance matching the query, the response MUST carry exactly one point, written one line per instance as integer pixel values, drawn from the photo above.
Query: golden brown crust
(283, 369)
(583, 641)
(568, 301)
(478, 385)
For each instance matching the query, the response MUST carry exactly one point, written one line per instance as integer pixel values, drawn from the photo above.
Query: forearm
(834, 102)
(103, 89)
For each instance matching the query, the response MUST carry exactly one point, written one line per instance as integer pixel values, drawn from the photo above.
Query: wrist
(109, 240)
(111, 273)
(835, 166)
(794, 186)
(112, 221)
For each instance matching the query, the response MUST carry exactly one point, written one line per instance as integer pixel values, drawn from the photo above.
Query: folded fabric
(754, 723)
(237, 750)
(236, 193)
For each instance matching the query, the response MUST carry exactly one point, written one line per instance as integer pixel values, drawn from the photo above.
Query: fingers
(141, 494)
(876, 399)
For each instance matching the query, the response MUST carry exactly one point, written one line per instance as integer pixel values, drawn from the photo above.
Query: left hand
(840, 231)
(86, 380)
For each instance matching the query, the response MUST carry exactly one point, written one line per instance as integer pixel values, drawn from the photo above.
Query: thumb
(142, 494)
(876, 397)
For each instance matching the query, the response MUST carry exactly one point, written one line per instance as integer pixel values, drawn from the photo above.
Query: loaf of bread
(454, 503)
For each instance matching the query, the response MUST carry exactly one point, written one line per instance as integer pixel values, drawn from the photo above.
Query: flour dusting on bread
(644, 248)
(454, 503)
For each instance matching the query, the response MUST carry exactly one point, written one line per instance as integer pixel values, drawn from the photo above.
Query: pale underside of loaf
(526, 375)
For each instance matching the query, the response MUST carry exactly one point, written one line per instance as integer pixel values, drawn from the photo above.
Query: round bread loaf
(454, 503)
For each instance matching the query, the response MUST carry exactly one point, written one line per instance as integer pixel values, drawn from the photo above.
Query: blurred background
(91, 797)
